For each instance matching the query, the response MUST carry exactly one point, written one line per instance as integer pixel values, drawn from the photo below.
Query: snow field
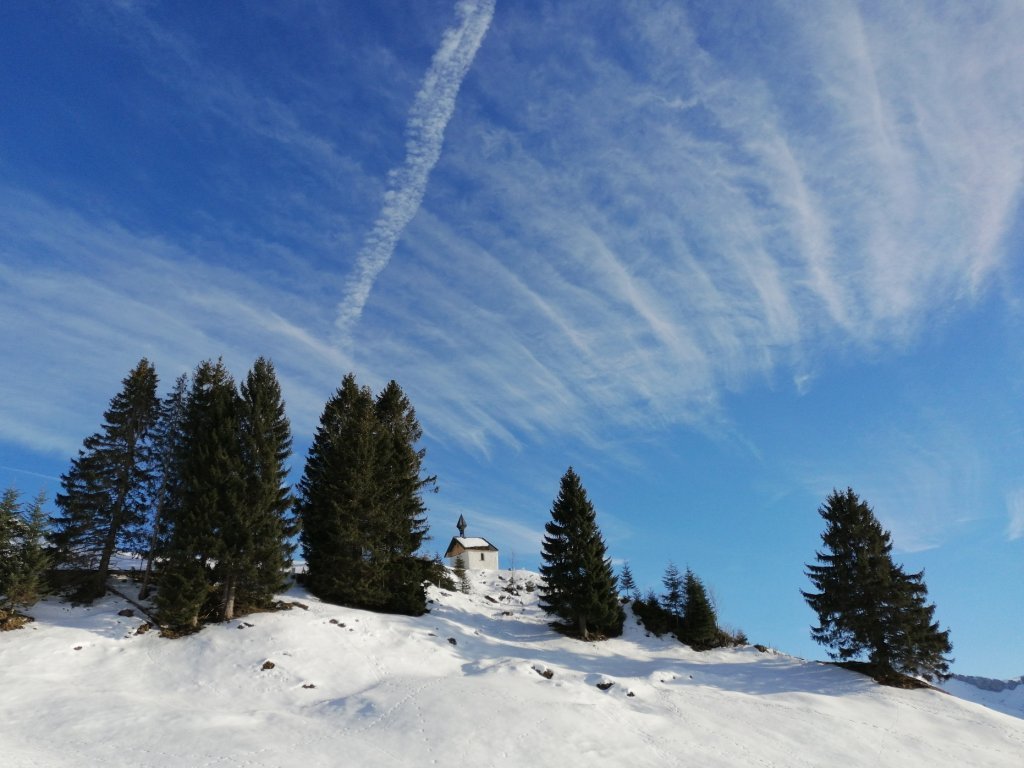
(350, 687)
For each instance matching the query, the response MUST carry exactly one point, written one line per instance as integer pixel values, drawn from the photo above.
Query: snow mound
(480, 679)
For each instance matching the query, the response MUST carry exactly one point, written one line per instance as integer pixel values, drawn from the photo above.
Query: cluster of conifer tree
(361, 504)
(684, 609)
(226, 519)
(197, 483)
(580, 588)
(867, 604)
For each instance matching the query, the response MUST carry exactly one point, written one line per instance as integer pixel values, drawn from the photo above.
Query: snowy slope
(80, 688)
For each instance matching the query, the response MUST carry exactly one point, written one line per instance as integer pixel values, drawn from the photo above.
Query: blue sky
(719, 257)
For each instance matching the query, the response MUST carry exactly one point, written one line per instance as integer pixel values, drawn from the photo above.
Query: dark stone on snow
(453, 641)
(605, 686)
(547, 674)
(143, 628)
(126, 612)
(491, 599)
(268, 665)
(309, 685)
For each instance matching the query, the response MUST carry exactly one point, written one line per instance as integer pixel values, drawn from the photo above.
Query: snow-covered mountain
(1002, 695)
(480, 680)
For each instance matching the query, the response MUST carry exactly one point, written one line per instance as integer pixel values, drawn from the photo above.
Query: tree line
(581, 590)
(872, 614)
(196, 482)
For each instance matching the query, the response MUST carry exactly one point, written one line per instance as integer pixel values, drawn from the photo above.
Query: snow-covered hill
(480, 680)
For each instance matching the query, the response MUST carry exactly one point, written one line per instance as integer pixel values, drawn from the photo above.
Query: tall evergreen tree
(266, 445)
(207, 525)
(168, 453)
(105, 496)
(866, 604)
(400, 486)
(360, 502)
(579, 584)
(698, 626)
(335, 494)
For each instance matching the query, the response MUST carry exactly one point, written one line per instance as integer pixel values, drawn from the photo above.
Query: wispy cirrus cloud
(85, 298)
(621, 231)
(667, 224)
(431, 110)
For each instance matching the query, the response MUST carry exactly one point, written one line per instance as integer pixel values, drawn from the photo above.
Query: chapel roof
(474, 543)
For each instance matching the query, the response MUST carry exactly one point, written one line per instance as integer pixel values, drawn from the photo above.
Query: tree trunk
(100, 584)
(229, 598)
(110, 542)
(148, 575)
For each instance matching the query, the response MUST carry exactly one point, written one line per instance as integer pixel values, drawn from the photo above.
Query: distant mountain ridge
(990, 684)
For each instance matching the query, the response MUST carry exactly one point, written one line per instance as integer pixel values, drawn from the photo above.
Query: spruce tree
(627, 584)
(208, 524)
(360, 502)
(24, 560)
(673, 599)
(867, 605)
(11, 531)
(266, 445)
(400, 487)
(335, 495)
(106, 497)
(168, 453)
(698, 627)
(579, 584)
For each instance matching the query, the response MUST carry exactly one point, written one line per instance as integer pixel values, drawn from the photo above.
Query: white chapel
(474, 552)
